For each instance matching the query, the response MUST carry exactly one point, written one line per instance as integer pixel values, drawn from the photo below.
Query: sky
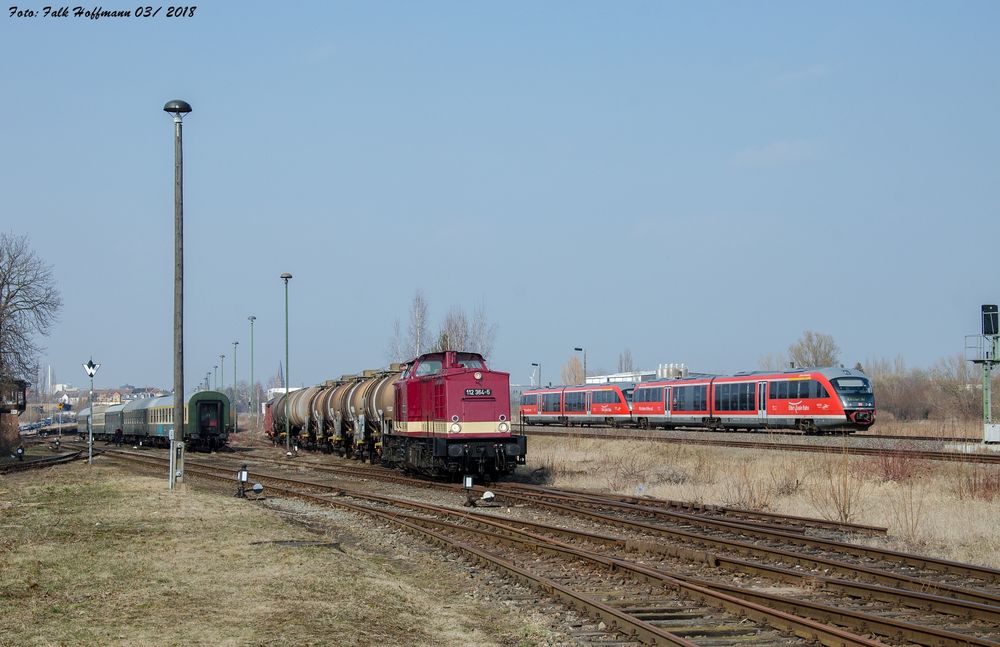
(696, 182)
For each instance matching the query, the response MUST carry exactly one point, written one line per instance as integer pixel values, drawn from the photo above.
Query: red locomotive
(443, 414)
(810, 400)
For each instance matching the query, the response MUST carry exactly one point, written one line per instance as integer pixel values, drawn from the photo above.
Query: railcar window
(689, 398)
(550, 402)
(576, 401)
(735, 397)
(470, 362)
(648, 395)
(852, 385)
(529, 400)
(605, 397)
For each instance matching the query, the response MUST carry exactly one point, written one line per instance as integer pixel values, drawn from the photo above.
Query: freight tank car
(444, 414)
(150, 421)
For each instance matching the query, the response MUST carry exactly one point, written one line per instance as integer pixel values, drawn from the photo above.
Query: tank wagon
(150, 421)
(811, 400)
(443, 414)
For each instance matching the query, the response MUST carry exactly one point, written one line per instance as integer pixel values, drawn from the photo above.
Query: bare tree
(625, 361)
(482, 334)
(572, 371)
(772, 362)
(29, 305)
(814, 349)
(417, 341)
(454, 333)
(394, 349)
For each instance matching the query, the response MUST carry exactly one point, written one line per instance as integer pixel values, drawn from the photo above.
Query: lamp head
(177, 107)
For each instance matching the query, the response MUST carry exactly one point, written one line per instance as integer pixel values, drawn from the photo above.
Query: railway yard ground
(106, 555)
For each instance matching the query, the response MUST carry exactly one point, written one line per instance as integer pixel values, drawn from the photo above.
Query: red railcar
(452, 416)
(819, 399)
(822, 399)
(585, 404)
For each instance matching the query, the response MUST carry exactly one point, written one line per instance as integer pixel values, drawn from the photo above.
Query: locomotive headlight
(503, 427)
(455, 427)
(477, 375)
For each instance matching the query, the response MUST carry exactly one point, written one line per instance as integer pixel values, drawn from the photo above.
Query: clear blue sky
(696, 182)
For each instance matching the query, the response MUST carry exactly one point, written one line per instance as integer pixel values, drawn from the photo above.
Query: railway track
(786, 522)
(989, 458)
(40, 463)
(695, 579)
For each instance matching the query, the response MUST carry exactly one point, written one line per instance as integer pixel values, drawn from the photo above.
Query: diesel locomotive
(443, 414)
(208, 421)
(810, 400)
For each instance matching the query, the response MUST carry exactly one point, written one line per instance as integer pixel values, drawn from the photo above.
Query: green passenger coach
(208, 421)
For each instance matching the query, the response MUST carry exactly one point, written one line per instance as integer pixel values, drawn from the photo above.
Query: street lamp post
(253, 390)
(178, 108)
(235, 385)
(288, 438)
(584, 351)
(539, 367)
(208, 380)
(222, 373)
(215, 369)
(91, 369)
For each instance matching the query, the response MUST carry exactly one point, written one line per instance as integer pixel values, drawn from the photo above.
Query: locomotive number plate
(474, 392)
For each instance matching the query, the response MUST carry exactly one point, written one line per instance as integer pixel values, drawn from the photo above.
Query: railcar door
(209, 419)
(762, 401)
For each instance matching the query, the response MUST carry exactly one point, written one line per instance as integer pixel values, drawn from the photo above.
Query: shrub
(976, 481)
(839, 494)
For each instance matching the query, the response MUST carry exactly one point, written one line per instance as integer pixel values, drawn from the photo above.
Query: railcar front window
(852, 385)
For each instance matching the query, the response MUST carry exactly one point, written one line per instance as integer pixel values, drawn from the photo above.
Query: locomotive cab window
(428, 367)
(468, 361)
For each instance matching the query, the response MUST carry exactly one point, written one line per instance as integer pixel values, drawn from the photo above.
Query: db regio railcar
(810, 400)
(150, 421)
(444, 414)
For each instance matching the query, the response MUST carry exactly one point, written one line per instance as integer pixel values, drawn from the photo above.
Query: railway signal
(91, 369)
(989, 358)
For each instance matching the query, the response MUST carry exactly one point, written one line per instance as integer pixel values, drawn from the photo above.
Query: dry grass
(944, 510)
(89, 556)
(885, 426)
